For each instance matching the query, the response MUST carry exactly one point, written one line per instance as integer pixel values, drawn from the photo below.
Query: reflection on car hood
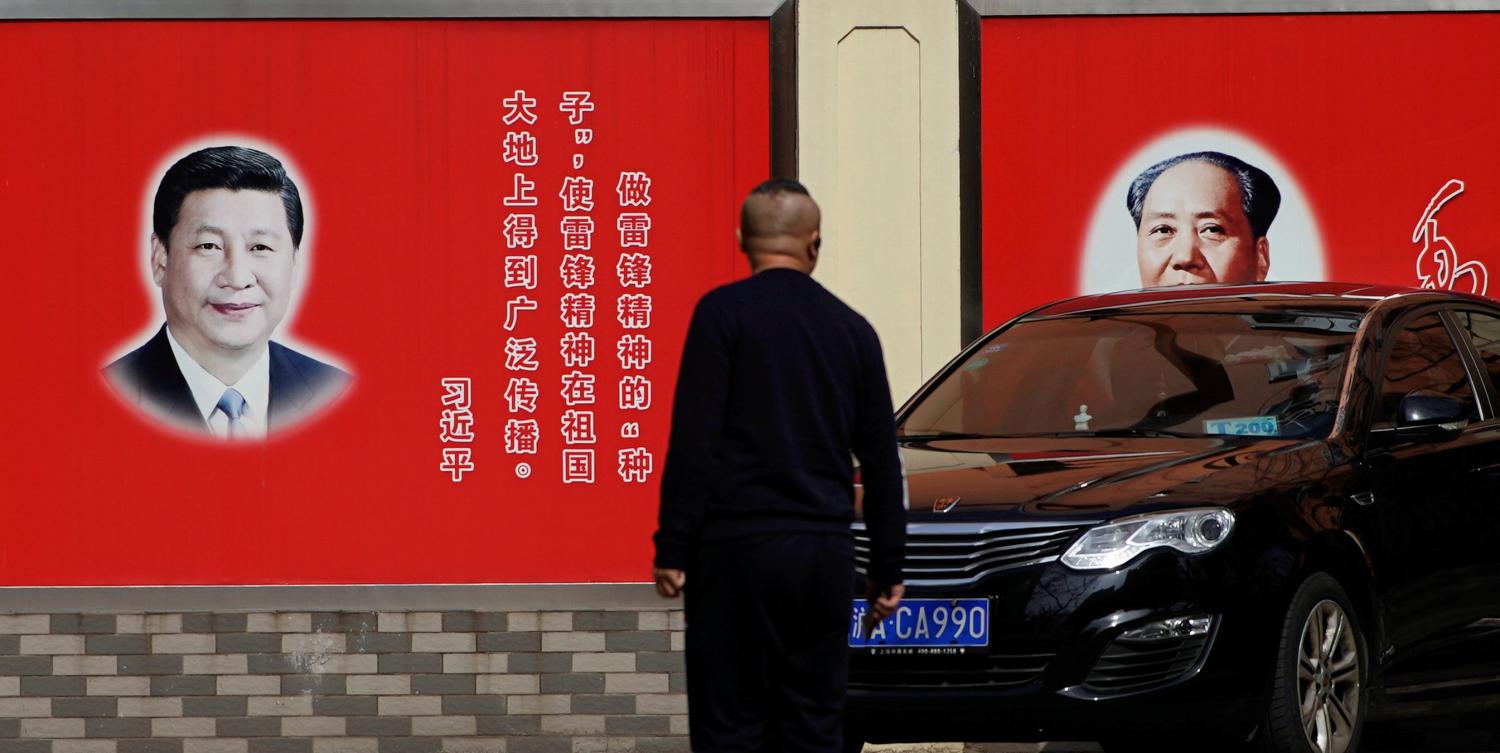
(1095, 477)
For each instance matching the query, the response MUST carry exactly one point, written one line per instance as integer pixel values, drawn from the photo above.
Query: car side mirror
(1427, 416)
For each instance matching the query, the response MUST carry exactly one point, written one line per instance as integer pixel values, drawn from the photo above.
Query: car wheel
(1318, 693)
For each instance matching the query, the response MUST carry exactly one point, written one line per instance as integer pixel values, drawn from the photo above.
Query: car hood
(1096, 478)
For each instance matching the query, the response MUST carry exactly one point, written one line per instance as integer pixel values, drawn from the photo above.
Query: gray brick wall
(343, 682)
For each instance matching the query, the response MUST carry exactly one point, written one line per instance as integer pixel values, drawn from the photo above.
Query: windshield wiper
(1134, 431)
(934, 436)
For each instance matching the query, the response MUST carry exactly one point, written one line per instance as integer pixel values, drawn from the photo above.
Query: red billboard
(452, 346)
(1368, 129)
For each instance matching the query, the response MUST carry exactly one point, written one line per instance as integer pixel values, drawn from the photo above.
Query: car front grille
(1018, 665)
(959, 554)
(1132, 665)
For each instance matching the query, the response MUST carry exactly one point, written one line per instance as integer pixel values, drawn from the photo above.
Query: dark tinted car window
(1484, 330)
(1265, 373)
(1422, 357)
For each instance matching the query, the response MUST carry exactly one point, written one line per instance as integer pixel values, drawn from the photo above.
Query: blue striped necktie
(233, 404)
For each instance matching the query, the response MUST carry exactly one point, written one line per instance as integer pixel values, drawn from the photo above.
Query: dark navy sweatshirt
(780, 382)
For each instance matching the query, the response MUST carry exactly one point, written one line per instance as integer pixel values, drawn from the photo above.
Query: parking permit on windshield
(1254, 426)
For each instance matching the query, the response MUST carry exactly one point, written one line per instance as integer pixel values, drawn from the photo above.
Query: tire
(1322, 664)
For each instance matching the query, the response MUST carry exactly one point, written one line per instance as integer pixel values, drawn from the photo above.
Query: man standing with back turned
(780, 381)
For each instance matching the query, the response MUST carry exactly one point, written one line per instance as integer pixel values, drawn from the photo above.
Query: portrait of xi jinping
(227, 225)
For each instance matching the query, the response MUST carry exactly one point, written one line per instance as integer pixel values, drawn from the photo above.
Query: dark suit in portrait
(148, 377)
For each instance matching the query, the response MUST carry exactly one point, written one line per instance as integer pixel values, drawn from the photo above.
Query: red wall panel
(1366, 117)
(395, 131)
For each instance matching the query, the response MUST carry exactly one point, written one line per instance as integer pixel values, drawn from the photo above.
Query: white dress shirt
(254, 386)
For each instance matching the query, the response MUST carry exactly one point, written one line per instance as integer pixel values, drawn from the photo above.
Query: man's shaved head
(777, 217)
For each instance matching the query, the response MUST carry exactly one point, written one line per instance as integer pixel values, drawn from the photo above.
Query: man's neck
(760, 262)
(228, 367)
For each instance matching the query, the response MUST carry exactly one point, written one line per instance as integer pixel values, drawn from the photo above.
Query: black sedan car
(1203, 518)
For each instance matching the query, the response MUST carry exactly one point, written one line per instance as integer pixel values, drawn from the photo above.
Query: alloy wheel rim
(1328, 678)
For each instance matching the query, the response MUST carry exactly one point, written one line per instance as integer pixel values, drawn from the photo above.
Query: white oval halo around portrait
(1109, 248)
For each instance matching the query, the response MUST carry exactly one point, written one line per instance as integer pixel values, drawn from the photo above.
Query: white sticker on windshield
(1254, 426)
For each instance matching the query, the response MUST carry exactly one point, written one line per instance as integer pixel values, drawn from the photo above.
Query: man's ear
(814, 244)
(739, 238)
(1262, 258)
(158, 260)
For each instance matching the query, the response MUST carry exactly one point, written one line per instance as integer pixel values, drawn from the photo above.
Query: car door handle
(1363, 499)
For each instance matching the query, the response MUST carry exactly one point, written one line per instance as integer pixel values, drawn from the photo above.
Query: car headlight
(1111, 545)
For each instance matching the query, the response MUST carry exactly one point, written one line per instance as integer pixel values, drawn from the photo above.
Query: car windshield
(1274, 374)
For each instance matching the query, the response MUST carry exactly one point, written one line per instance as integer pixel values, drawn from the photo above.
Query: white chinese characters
(456, 426)
(571, 418)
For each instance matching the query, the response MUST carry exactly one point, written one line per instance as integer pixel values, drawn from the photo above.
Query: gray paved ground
(1435, 741)
(984, 748)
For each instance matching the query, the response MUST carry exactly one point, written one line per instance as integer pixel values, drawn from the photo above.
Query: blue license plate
(925, 623)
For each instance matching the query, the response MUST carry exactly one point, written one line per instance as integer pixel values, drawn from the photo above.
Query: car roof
(1346, 296)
